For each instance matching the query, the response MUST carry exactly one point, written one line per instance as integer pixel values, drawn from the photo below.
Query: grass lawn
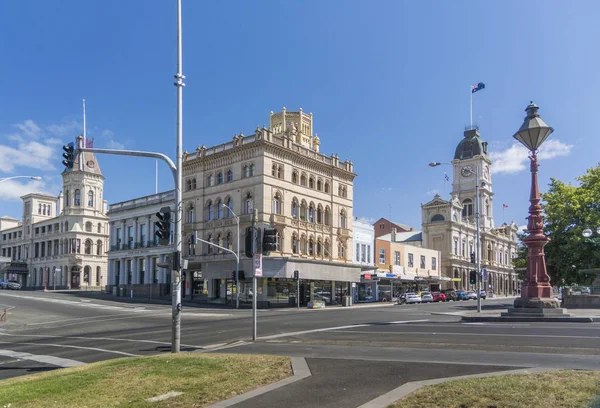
(565, 388)
(129, 382)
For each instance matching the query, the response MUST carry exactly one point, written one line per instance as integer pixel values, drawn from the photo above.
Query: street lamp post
(536, 291)
(237, 259)
(36, 178)
(477, 233)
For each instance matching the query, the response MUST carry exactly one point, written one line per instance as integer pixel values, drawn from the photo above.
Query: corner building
(450, 226)
(61, 241)
(304, 194)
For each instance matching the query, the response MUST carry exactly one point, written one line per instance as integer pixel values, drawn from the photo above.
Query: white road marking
(546, 336)
(80, 303)
(57, 361)
(75, 347)
(325, 329)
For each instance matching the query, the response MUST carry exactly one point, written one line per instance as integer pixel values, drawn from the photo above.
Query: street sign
(258, 265)
(484, 274)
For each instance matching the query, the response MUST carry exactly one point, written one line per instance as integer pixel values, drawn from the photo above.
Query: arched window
(327, 248)
(210, 180)
(99, 228)
(280, 172)
(220, 178)
(311, 213)
(319, 214)
(343, 219)
(77, 199)
(319, 247)
(40, 208)
(303, 210)
(467, 208)
(88, 227)
(327, 216)
(311, 246)
(191, 213)
(90, 198)
(189, 184)
(303, 244)
(49, 210)
(252, 169)
(194, 183)
(274, 170)
(229, 176)
(490, 253)
(209, 248)
(230, 205)
(294, 244)
(248, 204)
(295, 208)
(88, 247)
(295, 177)
(319, 185)
(277, 203)
(246, 171)
(326, 188)
(44, 209)
(99, 247)
(219, 209)
(209, 211)
(438, 218)
(228, 241)
(67, 198)
(303, 180)
(311, 182)
(219, 242)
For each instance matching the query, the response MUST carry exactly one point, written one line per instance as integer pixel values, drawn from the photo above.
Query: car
(3, 284)
(426, 297)
(471, 295)
(482, 294)
(438, 296)
(461, 295)
(450, 294)
(412, 298)
(14, 285)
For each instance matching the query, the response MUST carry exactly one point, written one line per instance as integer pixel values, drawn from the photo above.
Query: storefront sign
(258, 265)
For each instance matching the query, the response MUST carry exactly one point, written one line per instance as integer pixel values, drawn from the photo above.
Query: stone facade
(61, 240)
(449, 226)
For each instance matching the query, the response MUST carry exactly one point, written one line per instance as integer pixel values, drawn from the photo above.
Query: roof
(410, 236)
(396, 224)
(437, 201)
(470, 146)
(15, 267)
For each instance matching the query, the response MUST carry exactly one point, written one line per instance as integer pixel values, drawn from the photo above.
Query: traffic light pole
(254, 293)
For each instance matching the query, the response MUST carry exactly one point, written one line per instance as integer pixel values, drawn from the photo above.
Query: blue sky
(387, 82)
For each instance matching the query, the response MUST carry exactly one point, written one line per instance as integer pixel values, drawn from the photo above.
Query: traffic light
(163, 225)
(69, 155)
(248, 242)
(296, 276)
(269, 241)
(472, 257)
(242, 276)
(233, 276)
(472, 277)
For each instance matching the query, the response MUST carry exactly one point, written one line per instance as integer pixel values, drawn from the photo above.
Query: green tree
(568, 211)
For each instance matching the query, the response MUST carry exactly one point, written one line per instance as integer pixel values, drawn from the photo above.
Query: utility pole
(477, 250)
(254, 251)
(176, 277)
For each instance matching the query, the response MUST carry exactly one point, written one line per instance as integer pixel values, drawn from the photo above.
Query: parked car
(450, 294)
(461, 295)
(438, 297)
(426, 297)
(409, 297)
(13, 285)
(471, 295)
(483, 294)
(3, 284)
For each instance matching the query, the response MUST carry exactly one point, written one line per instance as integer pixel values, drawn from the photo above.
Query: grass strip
(129, 382)
(564, 388)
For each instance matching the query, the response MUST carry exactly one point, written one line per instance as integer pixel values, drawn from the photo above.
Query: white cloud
(367, 220)
(112, 144)
(12, 190)
(516, 157)
(432, 192)
(65, 129)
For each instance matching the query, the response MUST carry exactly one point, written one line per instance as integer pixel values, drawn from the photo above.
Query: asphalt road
(50, 330)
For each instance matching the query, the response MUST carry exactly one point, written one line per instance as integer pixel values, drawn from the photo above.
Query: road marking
(57, 361)
(75, 347)
(80, 303)
(325, 329)
(473, 334)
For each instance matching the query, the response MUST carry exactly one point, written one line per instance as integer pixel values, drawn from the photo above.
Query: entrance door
(75, 280)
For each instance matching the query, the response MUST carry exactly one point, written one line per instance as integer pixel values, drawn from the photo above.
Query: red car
(438, 297)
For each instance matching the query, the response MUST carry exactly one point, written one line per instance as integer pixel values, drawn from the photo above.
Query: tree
(568, 211)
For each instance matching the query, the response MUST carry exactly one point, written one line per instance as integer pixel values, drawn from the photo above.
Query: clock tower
(471, 160)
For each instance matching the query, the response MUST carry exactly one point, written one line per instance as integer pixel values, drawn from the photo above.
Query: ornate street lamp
(536, 291)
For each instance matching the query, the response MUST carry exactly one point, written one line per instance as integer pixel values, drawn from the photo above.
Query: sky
(388, 83)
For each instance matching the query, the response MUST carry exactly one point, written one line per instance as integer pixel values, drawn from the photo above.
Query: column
(149, 230)
(135, 270)
(161, 271)
(122, 272)
(147, 269)
(136, 233)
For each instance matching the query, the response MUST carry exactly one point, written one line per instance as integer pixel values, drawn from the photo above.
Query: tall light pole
(536, 291)
(477, 232)
(237, 259)
(36, 178)
(176, 277)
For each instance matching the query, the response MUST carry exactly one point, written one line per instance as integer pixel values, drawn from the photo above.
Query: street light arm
(36, 178)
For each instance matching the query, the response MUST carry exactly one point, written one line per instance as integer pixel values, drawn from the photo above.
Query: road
(49, 330)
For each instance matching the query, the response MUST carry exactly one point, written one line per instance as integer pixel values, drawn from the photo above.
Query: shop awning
(15, 268)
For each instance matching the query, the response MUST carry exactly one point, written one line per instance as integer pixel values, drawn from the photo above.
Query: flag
(446, 177)
(504, 206)
(478, 87)
(89, 144)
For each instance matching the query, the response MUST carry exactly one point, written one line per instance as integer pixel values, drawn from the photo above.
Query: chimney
(394, 235)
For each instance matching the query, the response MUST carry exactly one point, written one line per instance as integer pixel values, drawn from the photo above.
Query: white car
(412, 298)
(426, 297)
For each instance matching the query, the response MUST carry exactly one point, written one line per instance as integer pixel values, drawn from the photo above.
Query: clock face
(467, 171)
(486, 172)
(90, 163)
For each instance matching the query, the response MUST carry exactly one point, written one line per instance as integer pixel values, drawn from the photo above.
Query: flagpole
(471, 109)
(157, 177)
